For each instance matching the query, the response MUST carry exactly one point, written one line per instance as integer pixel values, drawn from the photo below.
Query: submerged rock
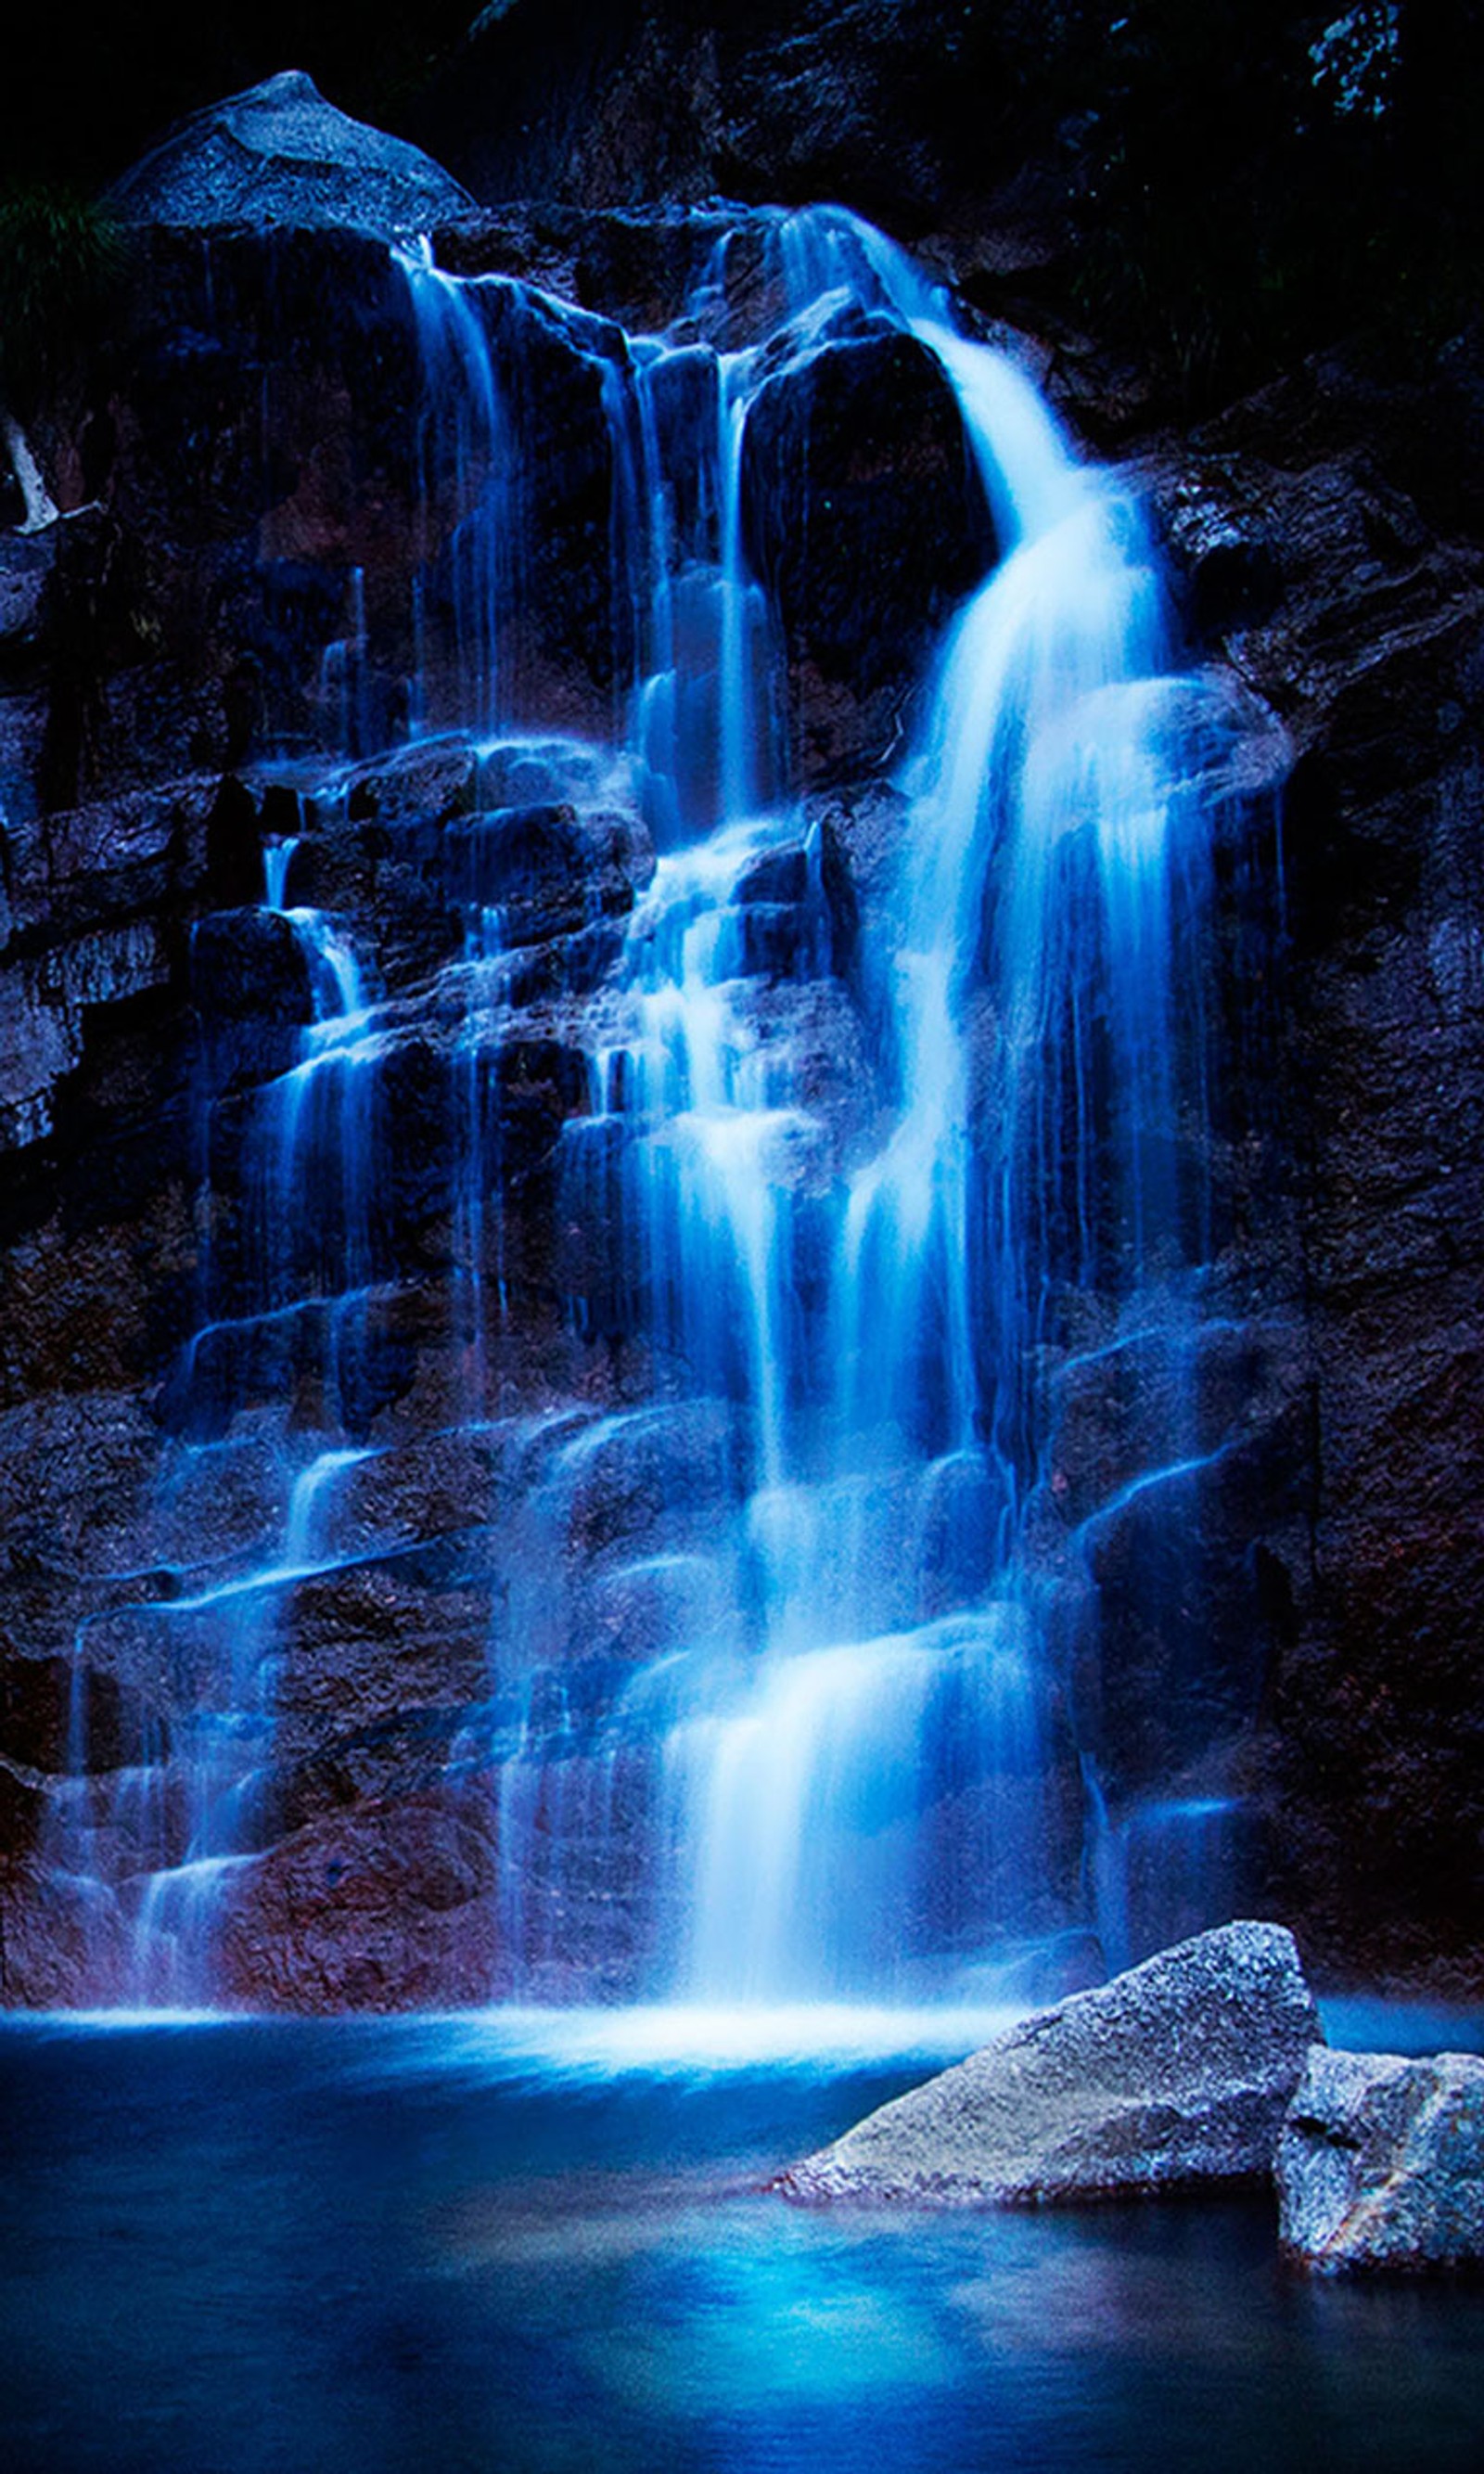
(1176, 2073)
(1381, 2163)
(279, 154)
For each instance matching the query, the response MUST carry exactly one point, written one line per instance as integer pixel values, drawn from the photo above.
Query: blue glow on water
(1367, 2024)
(294, 2247)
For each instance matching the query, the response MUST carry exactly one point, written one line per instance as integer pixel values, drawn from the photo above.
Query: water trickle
(464, 585)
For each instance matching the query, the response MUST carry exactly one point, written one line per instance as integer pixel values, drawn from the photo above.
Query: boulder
(1381, 2163)
(1177, 2074)
(279, 154)
(865, 517)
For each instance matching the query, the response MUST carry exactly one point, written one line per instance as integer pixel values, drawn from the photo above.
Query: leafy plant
(59, 255)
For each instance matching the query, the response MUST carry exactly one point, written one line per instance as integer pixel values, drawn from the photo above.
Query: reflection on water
(290, 2247)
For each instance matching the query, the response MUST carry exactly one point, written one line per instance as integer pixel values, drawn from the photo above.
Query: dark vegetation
(58, 251)
(1253, 178)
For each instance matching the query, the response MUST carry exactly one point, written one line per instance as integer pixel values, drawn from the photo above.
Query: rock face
(1372, 654)
(310, 469)
(279, 154)
(834, 98)
(1177, 2074)
(1381, 2163)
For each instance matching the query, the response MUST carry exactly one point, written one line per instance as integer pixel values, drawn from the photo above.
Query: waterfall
(1026, 972)
(792, 1605)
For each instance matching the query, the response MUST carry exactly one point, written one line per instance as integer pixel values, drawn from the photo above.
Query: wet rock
(58, 1713)
(1159, 1686)
(279, 154)
(863, 825)
(399, 1633)
(841, 98)
(235, 847)
(566, 966)
(235, 1498)
(568, 643)
(642, 268)
(39, 1044)
(25, 566)
(538, 1085)
(1373, 658)
(133, 853)
(1224, 551)
(578, 116)
(108, 967)
(63, 1939)
(661, 1602)
(252, 986)
(76, 1464)
(385, 1907)
(685, 391)
(1381, 2164)
(779, 876)
(547, 872)
(649, 1481)
(23, 1811)
(420, 783)
(1176, 2075)
(205, 609)
(865, 517)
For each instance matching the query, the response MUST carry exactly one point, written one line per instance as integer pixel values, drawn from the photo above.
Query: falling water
(190, 1814)
(1028, 1010)
(789, 1651)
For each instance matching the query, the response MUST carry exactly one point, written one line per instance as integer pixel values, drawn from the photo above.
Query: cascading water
(1029, 998)
(786, 1689)
(190, 1815)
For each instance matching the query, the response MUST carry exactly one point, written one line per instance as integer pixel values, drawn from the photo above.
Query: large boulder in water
(279, 154)
(866, 519)
(1176, 2074)
(1381, 2163)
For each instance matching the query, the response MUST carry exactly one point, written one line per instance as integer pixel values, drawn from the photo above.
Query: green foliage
(59, 255)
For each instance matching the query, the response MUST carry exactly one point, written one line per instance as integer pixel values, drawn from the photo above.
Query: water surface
(293, 2247)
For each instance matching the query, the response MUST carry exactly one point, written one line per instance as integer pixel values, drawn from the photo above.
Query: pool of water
(287, 2248)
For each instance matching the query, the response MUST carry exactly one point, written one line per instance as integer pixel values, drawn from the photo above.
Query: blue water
(290, 2247)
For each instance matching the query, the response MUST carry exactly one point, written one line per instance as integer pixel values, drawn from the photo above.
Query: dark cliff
(244, 447)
